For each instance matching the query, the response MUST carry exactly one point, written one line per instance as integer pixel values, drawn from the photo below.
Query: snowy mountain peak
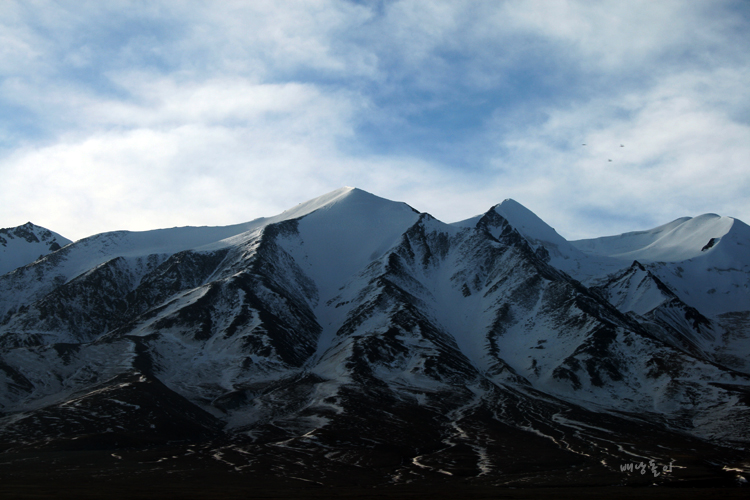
(345, 230)
(527, 223)
(24, 244)
(681, 239)
(345, 198)
(30, 233)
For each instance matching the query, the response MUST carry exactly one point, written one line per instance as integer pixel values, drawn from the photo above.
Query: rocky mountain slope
(354, 339)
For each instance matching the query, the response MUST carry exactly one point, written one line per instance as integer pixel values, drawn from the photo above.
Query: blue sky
(141, 115)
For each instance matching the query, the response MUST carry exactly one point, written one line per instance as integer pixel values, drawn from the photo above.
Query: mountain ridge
(355, 326)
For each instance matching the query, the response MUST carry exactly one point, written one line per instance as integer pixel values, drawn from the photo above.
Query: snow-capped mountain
(24, 244)
(353, 333)
(705, 259)
(701, 266)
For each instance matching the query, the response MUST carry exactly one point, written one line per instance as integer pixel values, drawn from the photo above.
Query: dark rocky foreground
(232, 469)
(178, 472)
(134, 438)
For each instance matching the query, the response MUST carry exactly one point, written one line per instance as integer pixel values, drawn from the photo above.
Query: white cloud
(214, 113)
(683, 155)
(247, 144)
(618, 36)
(209, 153)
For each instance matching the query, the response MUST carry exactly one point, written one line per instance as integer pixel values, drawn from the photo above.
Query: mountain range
(353, 340)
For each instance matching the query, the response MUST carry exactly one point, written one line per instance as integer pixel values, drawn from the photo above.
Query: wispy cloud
(136, 115)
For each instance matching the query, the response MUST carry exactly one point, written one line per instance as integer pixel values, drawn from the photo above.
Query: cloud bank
(139, 115)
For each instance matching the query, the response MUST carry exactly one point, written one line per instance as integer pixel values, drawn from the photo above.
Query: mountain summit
(353, 339)
(24, 244)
